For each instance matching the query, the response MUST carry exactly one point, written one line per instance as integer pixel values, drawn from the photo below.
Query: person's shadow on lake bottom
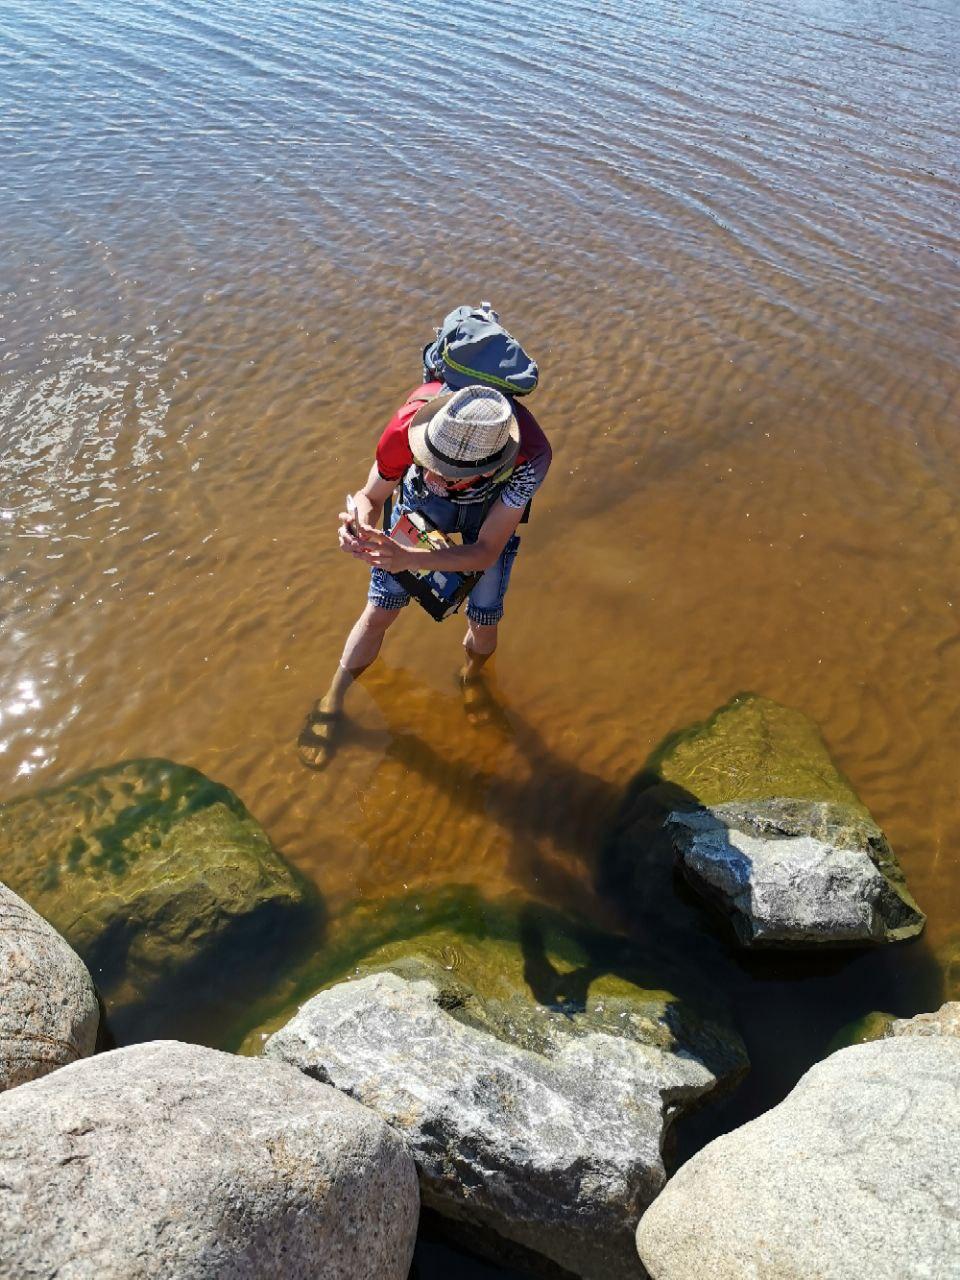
(599, 853)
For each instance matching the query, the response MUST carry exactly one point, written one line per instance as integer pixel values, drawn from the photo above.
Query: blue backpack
(472, 346)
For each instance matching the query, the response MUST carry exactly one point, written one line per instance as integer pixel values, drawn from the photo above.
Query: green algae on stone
(520, 971)
(751, 808)
(871, 1026)
(148, 869)
(752, 749)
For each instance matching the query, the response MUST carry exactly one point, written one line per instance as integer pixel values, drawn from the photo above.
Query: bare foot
(317, 741)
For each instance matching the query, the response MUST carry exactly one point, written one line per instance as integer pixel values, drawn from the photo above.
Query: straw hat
(463, 434)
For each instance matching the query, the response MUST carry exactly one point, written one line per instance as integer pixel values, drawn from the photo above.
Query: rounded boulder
(167, 1159)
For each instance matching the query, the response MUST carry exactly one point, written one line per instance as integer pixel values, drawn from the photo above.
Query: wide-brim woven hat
(466, 433)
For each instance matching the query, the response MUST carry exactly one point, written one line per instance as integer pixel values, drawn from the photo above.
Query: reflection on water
(729, 236)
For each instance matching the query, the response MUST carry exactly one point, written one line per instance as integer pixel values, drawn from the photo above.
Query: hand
(354, 543)
(387, 554)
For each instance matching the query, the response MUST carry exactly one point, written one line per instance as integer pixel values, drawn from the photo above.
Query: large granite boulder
(49, 1014)
(856, 1173)
(175, 1161)
(162, 882)
(765, 828)
(537, 1122)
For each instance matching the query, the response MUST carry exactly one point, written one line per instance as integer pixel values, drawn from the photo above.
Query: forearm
(368, 511)
(468, 558)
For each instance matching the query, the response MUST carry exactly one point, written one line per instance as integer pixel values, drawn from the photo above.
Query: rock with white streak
(794, 872)
(49, 1014)
(765, 827)
(856, 1173)
(538, 1134)
(175, 1161)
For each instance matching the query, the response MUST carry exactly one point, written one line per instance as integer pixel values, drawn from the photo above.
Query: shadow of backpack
(473, 347)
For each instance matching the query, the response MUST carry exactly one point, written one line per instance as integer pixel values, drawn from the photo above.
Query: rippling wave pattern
(730, 235)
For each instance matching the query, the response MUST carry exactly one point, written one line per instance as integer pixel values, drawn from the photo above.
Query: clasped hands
(370, 544)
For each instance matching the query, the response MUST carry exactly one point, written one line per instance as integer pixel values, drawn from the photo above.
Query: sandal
(317, 741)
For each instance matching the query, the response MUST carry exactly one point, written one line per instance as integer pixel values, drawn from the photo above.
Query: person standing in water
(470, 460)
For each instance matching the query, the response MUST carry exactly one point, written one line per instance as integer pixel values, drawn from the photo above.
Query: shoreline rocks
(855, 1173)
(534, 1130)
(765, 829)
(796, 872)
(161, 881)
(174, 1161)
(49, 1012)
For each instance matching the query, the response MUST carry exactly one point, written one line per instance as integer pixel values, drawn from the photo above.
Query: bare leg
(478, 644)
(316, 742)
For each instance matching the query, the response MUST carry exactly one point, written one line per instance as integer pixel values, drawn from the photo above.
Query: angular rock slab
(856, 1173)
(174, 1161)
(149, 870)
(49, 1014)
(556, 1150)
(796, 872)
(766, 828)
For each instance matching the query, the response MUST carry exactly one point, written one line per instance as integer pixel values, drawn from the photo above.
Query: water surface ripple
(730, 235)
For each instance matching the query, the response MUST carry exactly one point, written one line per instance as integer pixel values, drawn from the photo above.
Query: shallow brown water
(729, 234)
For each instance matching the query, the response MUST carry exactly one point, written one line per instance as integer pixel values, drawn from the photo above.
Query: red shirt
(529, 469)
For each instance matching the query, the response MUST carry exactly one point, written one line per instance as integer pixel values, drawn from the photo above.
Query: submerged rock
(537, 1127)
(49, 1014)
(158, 877)
(174, 1161)
(764, 827)
(856, 1173)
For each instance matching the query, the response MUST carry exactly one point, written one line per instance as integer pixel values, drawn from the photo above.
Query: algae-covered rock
(49, 1013)
(949, 957)
(871, 1026)
(157, 876)
(764, 826)
(509, 966)
(532, 1077)
(752, 748)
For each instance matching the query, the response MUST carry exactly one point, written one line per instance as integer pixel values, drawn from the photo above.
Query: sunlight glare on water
(728, 234)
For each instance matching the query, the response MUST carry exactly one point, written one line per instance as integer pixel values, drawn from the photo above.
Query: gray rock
(945, 1022)
(856, 1173)
(550, 1143)
(794, 872)
(170, 1160)
(49, 1013)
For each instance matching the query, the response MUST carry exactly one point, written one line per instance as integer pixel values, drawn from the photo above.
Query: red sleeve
(534, 445)
(393, 448)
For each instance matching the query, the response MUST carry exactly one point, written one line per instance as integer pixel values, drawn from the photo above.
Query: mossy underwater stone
(764, 826)
(533, 1081)
(155, 875)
